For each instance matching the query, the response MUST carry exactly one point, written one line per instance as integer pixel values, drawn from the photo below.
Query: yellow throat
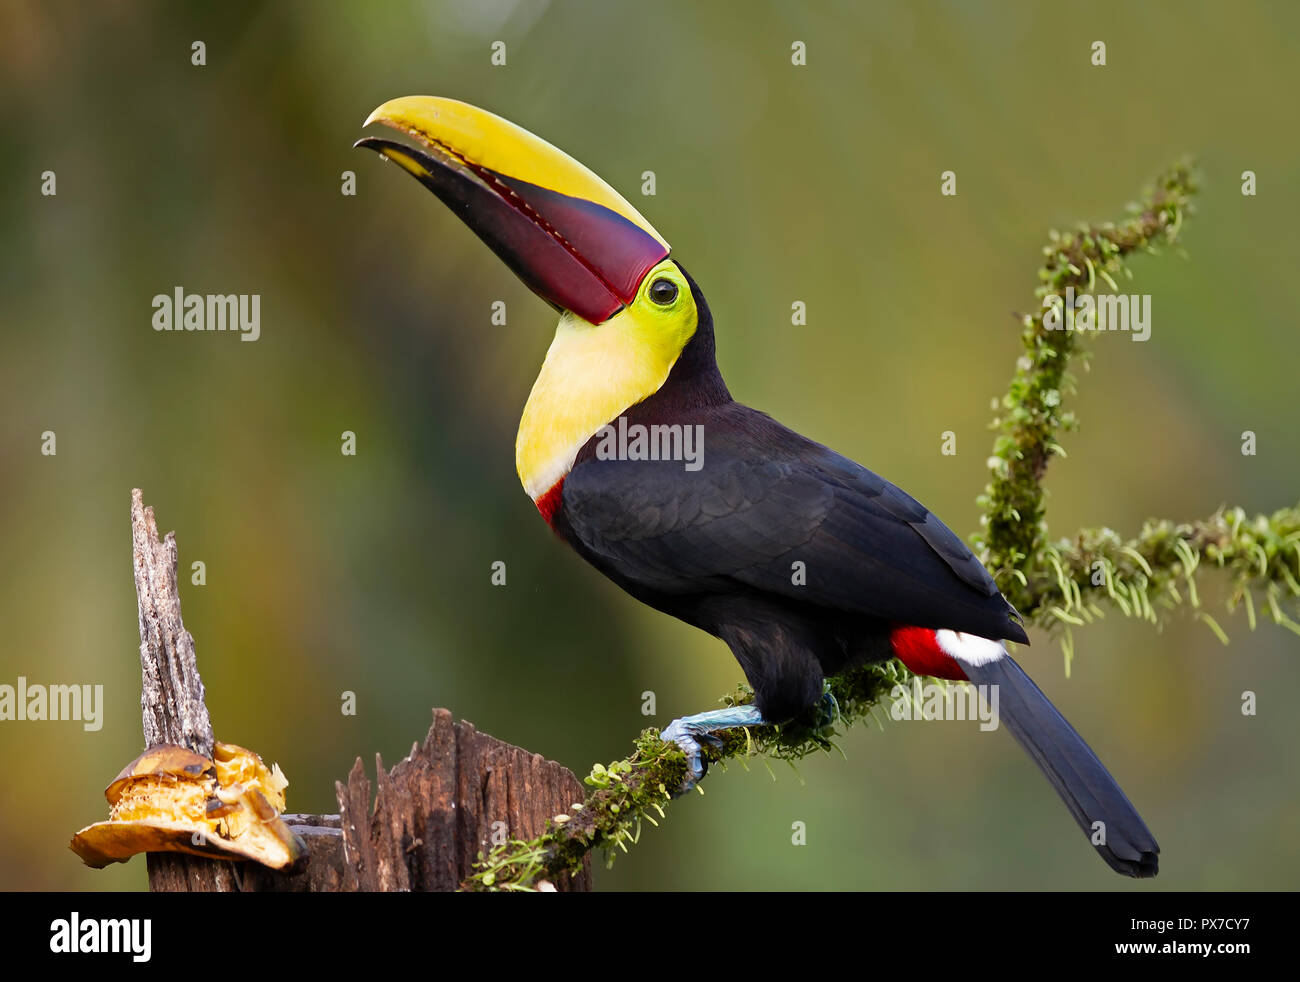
(592, 373)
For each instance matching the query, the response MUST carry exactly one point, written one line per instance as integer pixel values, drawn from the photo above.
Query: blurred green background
(776, 183)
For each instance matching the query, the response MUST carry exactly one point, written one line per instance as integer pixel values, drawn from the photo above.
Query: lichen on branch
(1074, 581)
(1032, 413)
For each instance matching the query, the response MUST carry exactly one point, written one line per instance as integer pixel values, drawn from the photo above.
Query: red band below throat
(549, 503)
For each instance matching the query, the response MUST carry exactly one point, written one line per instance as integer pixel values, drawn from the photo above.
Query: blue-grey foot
(690, 731)
(828, 711)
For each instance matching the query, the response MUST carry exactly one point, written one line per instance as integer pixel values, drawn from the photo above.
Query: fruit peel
(170, 799)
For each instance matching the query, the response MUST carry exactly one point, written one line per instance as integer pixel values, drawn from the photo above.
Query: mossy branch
(1074, 581)
(629, 792)
(1032, 413)
(1057, 586)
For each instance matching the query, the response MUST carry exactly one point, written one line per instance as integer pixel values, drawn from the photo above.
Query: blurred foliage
(371, 574)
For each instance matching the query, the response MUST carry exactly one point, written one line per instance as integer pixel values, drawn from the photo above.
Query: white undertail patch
(969, 648)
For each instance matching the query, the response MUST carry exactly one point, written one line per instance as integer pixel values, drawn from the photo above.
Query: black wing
(766, 498)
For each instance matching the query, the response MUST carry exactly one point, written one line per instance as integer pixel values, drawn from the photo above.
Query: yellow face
(593, 372)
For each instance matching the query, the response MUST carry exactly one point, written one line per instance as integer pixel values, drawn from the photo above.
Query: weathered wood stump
(448, 800)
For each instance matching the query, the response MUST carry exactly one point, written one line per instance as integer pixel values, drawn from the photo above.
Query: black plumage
(716, 547)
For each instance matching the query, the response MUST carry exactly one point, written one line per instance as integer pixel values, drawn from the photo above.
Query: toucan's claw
(690, 731)
(696, 766)
(828, 711)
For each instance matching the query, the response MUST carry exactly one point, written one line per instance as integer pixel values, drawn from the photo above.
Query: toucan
(713, 541)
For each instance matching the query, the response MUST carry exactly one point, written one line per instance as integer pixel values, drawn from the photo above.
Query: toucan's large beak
(574, 240)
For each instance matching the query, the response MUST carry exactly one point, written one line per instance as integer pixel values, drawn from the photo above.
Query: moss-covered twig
(1073, 582)
(628, 792)
(1057, 586)
(1032, 412)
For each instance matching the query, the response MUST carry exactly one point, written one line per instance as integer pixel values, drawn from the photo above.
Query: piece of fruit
(170, 799)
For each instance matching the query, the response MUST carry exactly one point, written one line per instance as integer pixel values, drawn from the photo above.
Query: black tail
(1083, 783)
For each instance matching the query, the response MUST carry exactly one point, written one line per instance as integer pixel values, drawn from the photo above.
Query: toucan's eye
(663, 292)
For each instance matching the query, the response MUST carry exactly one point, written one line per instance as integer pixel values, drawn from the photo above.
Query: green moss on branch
(626, 793)
(1032, 414)
(1076, 581)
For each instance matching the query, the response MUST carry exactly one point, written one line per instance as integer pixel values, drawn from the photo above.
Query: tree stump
(454, 796)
